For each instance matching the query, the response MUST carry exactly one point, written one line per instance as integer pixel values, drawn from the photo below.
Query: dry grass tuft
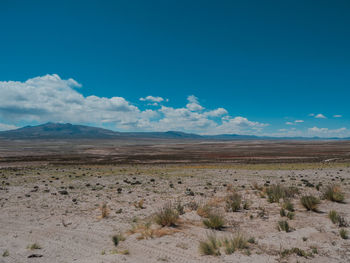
(104, 211)
(233, 202)
(214, 221)
(167, 216)
(334, 193)
(310, 202)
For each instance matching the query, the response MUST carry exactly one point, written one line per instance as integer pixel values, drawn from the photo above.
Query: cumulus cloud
(320, 116)
(153, 99)
(326, 132)
(193, 104)
(50, 98)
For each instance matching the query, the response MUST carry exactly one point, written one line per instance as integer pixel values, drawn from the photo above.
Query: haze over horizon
(268, 69)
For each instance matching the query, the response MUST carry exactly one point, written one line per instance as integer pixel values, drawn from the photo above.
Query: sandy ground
(68, 225)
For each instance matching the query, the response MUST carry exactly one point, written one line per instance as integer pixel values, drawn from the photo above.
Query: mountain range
(71, 131)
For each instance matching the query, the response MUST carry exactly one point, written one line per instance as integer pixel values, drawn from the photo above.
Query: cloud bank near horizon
(50, 98)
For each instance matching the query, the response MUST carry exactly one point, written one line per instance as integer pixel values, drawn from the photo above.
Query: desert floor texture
(70, 213)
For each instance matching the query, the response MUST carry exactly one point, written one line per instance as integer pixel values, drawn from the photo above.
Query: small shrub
(167, 216)
(235, 243)
(310, 202)
(283, 212)
(233, 202)
(251, 240)
(288, 205)
(104, 210)
(283, 226)
(240, 242)
(117, 238)
(180, 208)
(290, 215)
(295, 250)
(34, 246)
(333, 216)
(214, 221)
(246, 205)
(6, 253)
(343, 233)
(275, 193)
(210, 246)
(333, 193)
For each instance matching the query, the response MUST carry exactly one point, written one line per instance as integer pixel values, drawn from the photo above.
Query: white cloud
(326, 132)
(311, 114)
(153, 99)
(193, 104)
(50, 98)
(320, 116)
(5, 127)
(294, 122)
(337, 116)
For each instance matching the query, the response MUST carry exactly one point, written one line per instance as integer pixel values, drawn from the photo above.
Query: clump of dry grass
(277, 191)
(167, 216)
(204, 210)
(214, 221)
(233, 202)
(104, 210)
(210, 246)
(283, 226)
(139, 204)
(334, 193)
(337, 219)
(34, 246)
(343, 233)
(310, 202)
(288, 205)
(299, 252)
(146, 231)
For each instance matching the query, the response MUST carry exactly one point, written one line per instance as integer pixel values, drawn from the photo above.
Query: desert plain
(171, 201)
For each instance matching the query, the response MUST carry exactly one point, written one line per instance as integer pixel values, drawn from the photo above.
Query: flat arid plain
(174, 201)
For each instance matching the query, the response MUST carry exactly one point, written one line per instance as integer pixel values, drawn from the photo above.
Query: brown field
(63, 201)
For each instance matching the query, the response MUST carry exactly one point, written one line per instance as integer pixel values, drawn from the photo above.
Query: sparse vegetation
(214, 221)
(34, 246)
(167, 216)
(343, 233)
(104, 210)
(310, 202)
(117, 238)
(233, 202)
(204, 210)
(288, 205)
(210, 246)
(299, 252)
(283, 226)
(276, 192)
(333, 193)
(290, 215)
(6, 253)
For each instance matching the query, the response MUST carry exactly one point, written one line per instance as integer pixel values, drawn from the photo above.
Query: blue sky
(248, 67)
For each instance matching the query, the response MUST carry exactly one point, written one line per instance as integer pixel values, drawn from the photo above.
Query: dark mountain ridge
(70, 131)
